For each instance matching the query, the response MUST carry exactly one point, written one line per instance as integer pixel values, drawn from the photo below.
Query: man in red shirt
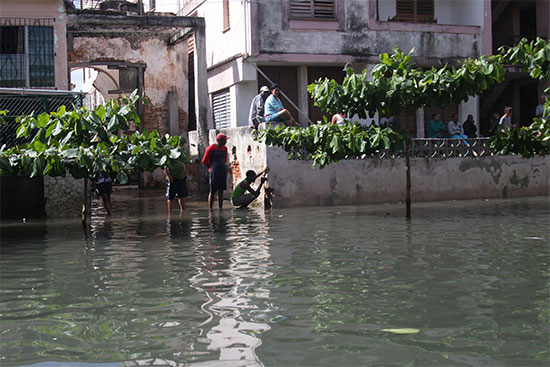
(215, 158)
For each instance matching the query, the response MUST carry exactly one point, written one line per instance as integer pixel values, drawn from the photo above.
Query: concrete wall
(361, 35)
(372, 181)
(162, 74)
(45, 9)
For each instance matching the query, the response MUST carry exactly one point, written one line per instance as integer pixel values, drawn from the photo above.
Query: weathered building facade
(294, 43)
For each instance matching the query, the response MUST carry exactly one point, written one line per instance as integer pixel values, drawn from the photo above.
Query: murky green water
(293, 287)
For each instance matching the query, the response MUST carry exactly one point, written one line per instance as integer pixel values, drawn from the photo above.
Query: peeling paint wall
(165, 70)
(359, 38)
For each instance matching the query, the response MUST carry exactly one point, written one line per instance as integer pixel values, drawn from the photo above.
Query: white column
(420, 133)
(302, 96)
(470, 107)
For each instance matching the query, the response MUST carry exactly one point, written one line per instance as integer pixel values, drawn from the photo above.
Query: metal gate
(21, 196)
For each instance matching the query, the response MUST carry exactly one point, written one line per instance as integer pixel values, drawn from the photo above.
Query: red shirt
(215, 156)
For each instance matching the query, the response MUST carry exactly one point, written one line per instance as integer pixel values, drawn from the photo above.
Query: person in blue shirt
(275, 111)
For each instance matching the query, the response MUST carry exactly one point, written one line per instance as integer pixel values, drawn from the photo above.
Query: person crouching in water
(240, 197)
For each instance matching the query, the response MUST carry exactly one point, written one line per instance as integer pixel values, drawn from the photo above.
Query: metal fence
(436, 148)
(20, 196)
(26, 104)
(445, 148)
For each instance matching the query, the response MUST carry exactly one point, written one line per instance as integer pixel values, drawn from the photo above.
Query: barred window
(312, 9)
(26, 53)
(420, 11)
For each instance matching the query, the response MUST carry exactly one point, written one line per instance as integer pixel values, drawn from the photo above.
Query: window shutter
(425, 10)
(312, 9)
(226, 24)
(415, 11)
(323, 9)
(221, 107)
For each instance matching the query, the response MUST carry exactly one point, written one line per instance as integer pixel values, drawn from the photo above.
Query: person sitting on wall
(455, 128)
(275, 111)
(469, 127)
(339, 119)
(240, 198)
(436, 127)
(495, 119)
(505, 122)
(256, 115)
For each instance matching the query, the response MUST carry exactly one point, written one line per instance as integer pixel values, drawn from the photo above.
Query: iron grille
(19, 105)
(27, 56)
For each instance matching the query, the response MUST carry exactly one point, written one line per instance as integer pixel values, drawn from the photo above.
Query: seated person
(436, 127)
(469, 127)
(240, 197)
(275, 111)
(455, 128)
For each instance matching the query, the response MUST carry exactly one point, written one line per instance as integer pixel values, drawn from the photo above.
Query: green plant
(85, 143)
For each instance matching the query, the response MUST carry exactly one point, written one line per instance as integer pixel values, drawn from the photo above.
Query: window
(420, 11)
(311, 9)
(226, 24)
(221, 107)
(26, 53)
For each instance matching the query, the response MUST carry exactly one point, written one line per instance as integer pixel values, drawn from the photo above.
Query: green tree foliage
(328, 143)
(85, 143)
(533, 139)
(398, 84)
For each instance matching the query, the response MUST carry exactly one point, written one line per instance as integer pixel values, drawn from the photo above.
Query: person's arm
(334, 119)
(206, 158)
(167, 174)
(264, 171)
(256, 192)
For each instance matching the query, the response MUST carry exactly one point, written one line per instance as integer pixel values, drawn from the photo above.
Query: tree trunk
(407, 170)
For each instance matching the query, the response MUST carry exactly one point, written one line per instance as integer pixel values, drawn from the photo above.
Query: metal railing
(18, 102)
(445, 148)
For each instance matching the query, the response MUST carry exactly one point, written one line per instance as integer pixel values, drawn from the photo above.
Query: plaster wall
(369, 181)
(161, 75)
(379, 181)
(223, 44)
(45, 9)
(361, 38)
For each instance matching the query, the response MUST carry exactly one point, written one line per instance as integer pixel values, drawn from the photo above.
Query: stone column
(202, 104)
(420, 132)
(470, 107)
(302, 96)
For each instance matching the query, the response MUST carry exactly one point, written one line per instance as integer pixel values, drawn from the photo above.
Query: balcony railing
(445, 148)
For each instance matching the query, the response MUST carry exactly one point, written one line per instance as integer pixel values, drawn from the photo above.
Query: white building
(295, 42)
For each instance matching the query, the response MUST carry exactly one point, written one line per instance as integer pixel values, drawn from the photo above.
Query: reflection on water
(307, 286)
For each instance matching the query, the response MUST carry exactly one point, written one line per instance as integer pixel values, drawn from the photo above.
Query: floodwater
(466, 282)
